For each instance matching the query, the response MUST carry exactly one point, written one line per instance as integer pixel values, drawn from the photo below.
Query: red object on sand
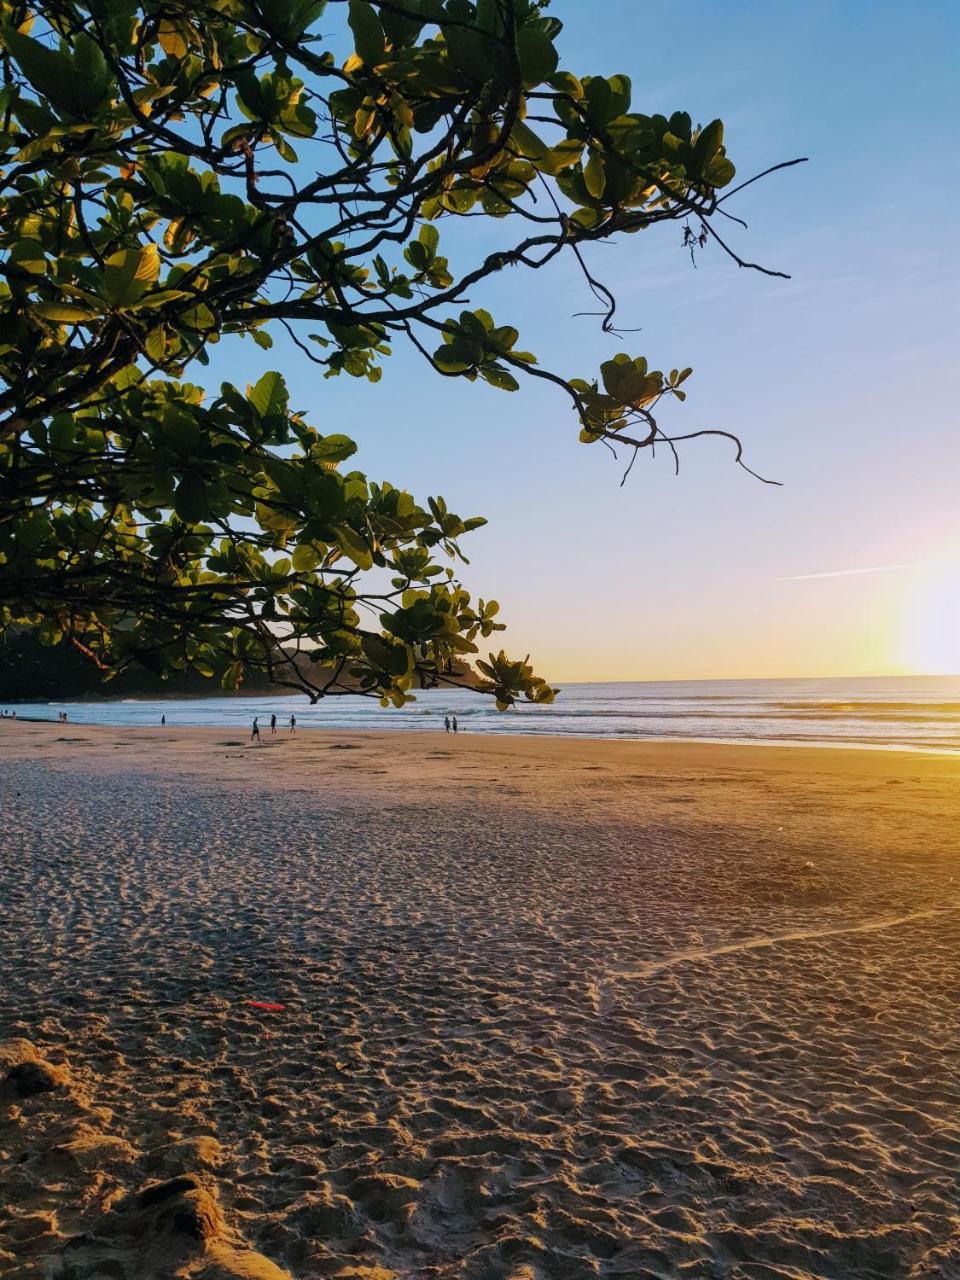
(265, 1004)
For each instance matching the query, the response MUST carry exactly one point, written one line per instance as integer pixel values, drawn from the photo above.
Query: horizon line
(886, 675)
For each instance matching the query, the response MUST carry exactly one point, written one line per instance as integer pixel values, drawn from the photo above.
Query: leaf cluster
(175, 176)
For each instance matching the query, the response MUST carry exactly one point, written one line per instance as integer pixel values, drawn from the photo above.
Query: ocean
(915, 711)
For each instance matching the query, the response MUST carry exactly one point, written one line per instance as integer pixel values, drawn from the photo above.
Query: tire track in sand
(759, 942)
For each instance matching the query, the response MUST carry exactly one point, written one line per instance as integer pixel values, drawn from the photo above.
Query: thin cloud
(845, 573)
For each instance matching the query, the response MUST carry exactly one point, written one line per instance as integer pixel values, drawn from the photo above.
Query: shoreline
(511, 735)
(422, 736)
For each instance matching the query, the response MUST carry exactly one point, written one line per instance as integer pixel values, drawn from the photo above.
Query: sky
(842, 381)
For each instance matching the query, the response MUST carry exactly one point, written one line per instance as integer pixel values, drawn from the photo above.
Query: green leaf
(368, 35)
(128, 274)
(416, 254)
(49, 72)
(538, 57)
(526, 142)
(353, 547)
(447, 359)
(562, 156)
(620, 89)
(498, 377)
(709, 143)
(566, 83)
(429, 237)
(155, 345)
(29, 255)
(489, 17)
(158, 298)
(63, 312)
(333, 448)
(594, 176)
(628, 382)
(719, 172)
(305, 557)
(599, 99)
(470, 51)
(180, 429)
(199, 318)
(92, 76)
(681, 125)
(190, 502)
(269, 395)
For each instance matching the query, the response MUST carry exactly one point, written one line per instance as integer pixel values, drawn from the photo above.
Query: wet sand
(552, 1009)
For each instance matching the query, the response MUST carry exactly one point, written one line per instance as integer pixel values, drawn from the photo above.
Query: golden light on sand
(931, 632)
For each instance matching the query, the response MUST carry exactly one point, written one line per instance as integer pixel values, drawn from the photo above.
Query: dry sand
(552, 1009)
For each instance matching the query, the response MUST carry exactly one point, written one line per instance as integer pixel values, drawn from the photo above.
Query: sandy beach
(549, 1009)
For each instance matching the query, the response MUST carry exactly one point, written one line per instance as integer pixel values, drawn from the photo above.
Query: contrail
(844, 573)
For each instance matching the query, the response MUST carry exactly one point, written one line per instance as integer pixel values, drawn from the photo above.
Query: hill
(35, 672)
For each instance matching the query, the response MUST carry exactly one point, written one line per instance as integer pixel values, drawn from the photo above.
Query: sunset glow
(931, 630)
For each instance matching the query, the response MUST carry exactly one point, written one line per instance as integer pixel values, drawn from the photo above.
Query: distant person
(293, 724)
(255, 730)
(163, 721)
(273, 723)
(446, 723)
(455, 726)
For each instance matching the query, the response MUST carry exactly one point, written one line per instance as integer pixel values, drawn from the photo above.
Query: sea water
(915, 711)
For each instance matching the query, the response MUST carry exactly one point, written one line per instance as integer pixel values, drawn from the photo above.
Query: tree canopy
(175, 175)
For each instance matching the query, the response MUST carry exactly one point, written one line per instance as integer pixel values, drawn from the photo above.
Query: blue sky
(841, 382)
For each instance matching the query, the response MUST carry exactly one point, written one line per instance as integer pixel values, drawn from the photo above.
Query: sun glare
(931, 640)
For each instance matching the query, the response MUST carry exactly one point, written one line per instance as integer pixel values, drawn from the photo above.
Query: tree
(180, 174)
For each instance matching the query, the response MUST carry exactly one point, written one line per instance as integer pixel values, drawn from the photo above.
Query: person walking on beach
(273, 723)
(455, 727)
(446, 723)
(163, 721)
(255, 731)
(293, 724)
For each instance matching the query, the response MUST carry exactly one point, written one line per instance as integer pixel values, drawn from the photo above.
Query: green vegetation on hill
(33, 671)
